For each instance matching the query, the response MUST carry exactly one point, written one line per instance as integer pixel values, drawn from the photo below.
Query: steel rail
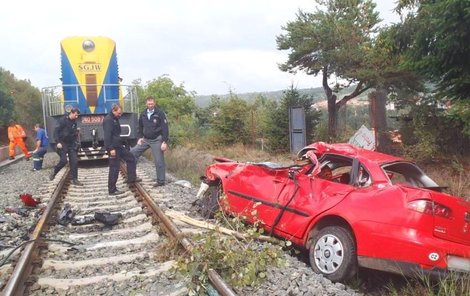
(219, 284)
(23, 268)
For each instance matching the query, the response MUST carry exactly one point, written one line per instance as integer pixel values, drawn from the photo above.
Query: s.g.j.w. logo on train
(90, 73)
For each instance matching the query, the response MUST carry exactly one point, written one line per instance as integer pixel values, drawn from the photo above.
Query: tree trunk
(332, 118)
(331, 99)
(334, 105)
(378, 119)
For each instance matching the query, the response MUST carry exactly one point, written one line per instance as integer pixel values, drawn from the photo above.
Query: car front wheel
(332, 252)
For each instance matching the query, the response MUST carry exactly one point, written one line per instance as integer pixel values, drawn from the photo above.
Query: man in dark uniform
(66, 135)
(116, 151)
(153, 134)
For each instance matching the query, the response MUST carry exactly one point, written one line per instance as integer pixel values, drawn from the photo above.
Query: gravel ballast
(17, 178)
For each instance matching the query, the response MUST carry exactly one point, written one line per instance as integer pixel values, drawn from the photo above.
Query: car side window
(364, 178)
(396, 178)
(326, 173)
(409, 174)
(335, 168)
(339, 169)
(342, 174)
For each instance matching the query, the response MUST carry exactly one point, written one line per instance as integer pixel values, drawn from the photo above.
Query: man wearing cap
(66, 136)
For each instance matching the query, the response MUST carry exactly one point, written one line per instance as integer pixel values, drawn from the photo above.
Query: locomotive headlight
(88, 45)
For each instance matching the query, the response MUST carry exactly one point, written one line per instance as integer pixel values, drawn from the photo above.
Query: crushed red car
(350, 208)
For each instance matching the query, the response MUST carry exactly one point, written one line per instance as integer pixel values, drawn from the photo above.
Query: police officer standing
(116, 151)
(66, 136)
(153, 134)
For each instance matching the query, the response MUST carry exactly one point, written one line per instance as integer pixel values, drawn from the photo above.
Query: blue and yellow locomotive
(90, 81)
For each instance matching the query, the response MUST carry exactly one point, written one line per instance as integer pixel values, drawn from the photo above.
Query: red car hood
(455, 227)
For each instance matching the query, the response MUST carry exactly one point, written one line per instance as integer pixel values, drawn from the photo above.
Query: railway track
(83, 256)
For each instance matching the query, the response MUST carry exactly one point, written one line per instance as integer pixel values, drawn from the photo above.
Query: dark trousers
(72, 158)
(158, 155)
(38, 157)
(113, 175)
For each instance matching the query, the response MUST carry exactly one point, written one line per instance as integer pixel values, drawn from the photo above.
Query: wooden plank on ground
(204, 224)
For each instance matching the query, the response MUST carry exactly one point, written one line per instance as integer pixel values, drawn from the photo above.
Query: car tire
(332, 252)
(210, 202)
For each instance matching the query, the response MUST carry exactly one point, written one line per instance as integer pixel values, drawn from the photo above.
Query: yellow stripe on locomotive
(90, 78)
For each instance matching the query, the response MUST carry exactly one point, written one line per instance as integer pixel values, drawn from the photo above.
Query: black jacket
(66, 131)
(112, 132)
(156, 126)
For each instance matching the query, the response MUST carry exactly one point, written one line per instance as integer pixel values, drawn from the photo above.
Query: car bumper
(413, 250)
(410, 269)
(458, 264)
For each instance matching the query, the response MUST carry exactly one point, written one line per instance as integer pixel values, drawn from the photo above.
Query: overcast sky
(209, 46)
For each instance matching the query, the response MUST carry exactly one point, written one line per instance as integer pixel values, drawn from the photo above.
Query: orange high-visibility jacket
(15, 132)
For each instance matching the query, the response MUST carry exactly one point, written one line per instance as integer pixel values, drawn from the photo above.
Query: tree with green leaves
(334, 41)
(176, 102)
(229, 122)
(260, 110)
(26, 99)
(6, 102)
(439, 49)
(388, 79)
(277, 127)
(172, 98)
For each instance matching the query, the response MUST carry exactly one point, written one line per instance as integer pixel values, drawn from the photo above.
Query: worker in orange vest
(15, 135)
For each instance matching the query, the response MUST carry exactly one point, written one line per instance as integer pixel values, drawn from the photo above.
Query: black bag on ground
(83, 220)
(66, 215)
(108, 218)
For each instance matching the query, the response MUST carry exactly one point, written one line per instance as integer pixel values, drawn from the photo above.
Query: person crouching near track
(116, 151)
(42, 141)
(66, 137)
(16, 136)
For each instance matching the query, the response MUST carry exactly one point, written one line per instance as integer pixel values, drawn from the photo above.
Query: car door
(253, 192)
(305, 197)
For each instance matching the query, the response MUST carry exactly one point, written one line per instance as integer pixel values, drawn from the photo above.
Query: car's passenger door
(305, 197)
(254, 191)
